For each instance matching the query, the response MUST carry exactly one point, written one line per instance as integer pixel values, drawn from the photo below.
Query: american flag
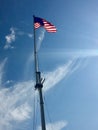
(40, 22)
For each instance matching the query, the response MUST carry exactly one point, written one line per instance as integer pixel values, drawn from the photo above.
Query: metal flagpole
(39, 84)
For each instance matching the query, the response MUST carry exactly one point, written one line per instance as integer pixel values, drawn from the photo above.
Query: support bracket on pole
(39, 81)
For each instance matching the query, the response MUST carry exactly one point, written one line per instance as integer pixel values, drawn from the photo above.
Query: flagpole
(35, 51)
(39, 84)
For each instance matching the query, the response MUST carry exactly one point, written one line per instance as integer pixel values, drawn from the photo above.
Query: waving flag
(40, 22)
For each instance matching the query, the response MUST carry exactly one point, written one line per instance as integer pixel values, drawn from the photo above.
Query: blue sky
(68, 60)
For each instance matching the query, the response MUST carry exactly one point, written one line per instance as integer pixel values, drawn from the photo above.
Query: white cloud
(9, 82)
(40, 39)
(80, 53)
(84, 53)
(30, 35)
(52, 78)
(2, 65)
(21, 112)
(31, 57)
(55, 126)
(22, 33)
(10, 38)
(16, 102)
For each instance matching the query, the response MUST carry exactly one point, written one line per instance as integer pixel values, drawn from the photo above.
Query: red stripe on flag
(49, 27)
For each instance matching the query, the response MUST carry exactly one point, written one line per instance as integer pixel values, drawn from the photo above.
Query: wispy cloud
(31, 57)
(9, 82)
(81, 53)
(10, 38)
(40, 39)
(2, 65)
(16, 102)
(21, 113)
(22, 33)
(56, 126)
(84, 53)
(30, 35)
(54, 77)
